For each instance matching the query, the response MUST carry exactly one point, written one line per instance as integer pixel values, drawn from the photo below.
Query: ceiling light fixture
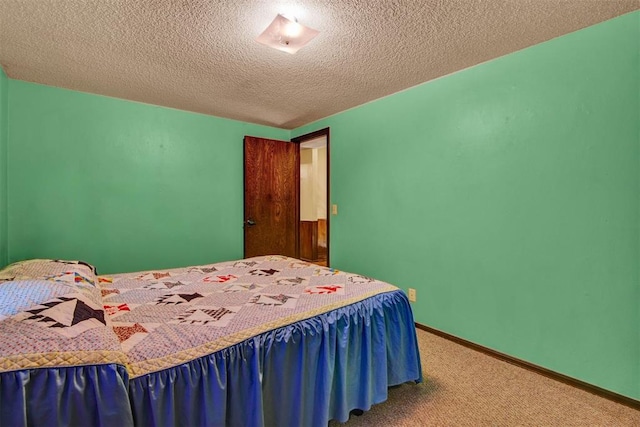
(286, 34)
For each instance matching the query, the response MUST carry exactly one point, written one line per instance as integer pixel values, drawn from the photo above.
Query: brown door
(271, 185)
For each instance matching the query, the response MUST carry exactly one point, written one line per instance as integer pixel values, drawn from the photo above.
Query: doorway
(313, 235)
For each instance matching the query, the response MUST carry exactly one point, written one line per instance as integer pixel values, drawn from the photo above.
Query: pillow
(77, 272)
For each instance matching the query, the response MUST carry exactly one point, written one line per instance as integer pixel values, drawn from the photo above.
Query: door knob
(251, 222)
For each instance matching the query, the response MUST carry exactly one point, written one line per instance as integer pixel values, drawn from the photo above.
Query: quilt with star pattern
(52, 315)
(60, 313)
(168, 317)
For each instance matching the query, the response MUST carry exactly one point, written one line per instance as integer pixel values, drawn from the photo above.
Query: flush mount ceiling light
(286, 34)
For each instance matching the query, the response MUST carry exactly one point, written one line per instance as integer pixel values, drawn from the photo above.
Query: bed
(262, 341)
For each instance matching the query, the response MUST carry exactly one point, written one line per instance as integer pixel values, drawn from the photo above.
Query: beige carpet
(467, 388)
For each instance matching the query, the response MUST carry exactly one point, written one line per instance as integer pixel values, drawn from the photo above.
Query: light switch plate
(334, 209)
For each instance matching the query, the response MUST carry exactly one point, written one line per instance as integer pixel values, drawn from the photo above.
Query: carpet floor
(464, 387)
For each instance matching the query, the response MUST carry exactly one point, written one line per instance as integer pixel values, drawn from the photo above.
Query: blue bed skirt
(304, 374)
(71, 396)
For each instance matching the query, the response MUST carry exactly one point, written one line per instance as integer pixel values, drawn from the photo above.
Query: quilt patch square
(325, 272)
(202, 270)
(359, 280)
(67, 315)
(241, 287)
(126, 332)
(324, 290)
(244, 264)
(176, 299)
(273, 300)
(131, 334)
(206, 316)
(165, 285)
(153, 276)
(115, 310)
(70, 277)
(264, 272)
(299, 264)
(223, 278)
(292, 281)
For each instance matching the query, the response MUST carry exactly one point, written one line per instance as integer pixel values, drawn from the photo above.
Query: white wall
(313, 184)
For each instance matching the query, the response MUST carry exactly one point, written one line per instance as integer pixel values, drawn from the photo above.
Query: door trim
(298, 140)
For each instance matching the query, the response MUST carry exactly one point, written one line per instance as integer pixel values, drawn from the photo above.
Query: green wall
(123, 185)
(4, 126)
(508, 196)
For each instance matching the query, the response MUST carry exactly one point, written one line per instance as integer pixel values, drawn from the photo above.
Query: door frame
(298, 140)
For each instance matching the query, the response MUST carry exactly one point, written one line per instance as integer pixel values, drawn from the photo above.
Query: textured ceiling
(201, 55)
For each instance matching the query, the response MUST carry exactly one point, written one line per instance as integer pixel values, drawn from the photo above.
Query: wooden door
(271, 186)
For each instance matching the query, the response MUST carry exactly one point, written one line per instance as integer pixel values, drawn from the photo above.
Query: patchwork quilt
(51, 314)
(59, 313)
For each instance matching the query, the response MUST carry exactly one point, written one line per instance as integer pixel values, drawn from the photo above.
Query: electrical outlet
(412, 295)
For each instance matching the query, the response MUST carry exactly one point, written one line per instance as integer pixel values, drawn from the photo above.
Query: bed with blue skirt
(262, 341)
